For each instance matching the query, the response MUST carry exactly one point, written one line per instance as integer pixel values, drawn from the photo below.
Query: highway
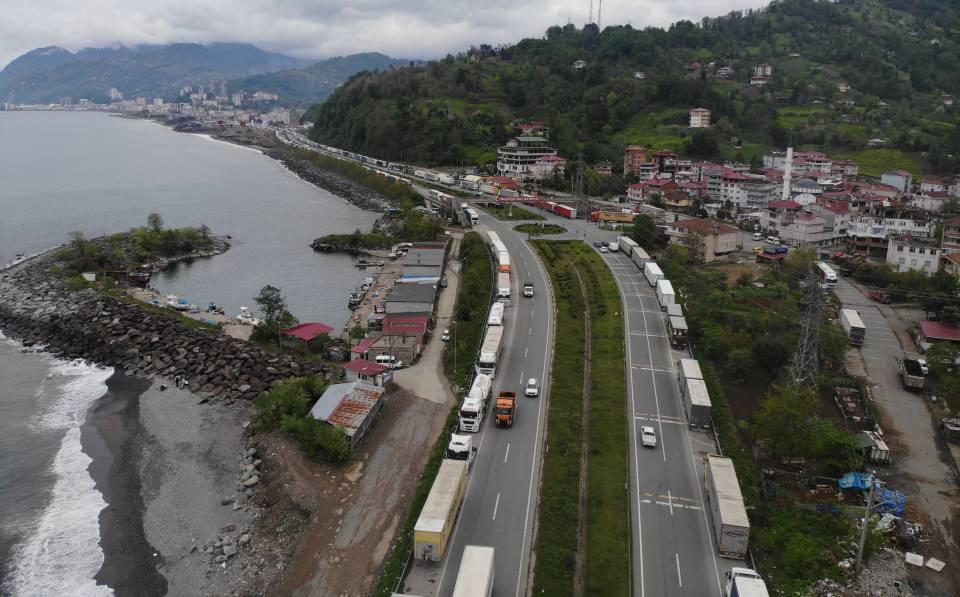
(501, 500)
(673, 547)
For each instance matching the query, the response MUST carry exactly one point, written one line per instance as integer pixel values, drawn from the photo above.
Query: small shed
(368, 372)
(932, 332)
(310, 337)
(352, 406)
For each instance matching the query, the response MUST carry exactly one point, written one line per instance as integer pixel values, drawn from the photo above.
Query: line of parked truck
(731, 527)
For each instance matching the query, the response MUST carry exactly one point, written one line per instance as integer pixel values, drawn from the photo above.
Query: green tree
(784, 421)
(357, 333)
(276, 316)
(646, 233)
(155, 222)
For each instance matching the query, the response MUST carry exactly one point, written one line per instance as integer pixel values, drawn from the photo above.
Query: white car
(528, 290)
(648, 437)
(446, 335)
(923, 365)
(604, 249)
(532, 389)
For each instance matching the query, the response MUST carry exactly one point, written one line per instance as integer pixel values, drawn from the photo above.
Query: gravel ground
(189, 466)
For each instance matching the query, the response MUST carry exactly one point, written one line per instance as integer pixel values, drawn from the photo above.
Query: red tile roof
(365, 344)
(935, 330)
(365, 367)
(308, 331)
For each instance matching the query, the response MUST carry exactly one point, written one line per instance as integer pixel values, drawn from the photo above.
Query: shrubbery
(469, 315)
(287, 406)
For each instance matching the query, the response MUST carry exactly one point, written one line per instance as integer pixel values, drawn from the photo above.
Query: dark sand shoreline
(112, 437)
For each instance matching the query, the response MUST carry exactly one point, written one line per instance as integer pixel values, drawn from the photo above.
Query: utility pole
(866, 523)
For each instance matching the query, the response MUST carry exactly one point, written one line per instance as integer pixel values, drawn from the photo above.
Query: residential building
(519, 157)
(368, 372)
(951, 235)
(263, 96)
(706, 239)
(633, 157)
(845, 168)
(906, 252)
(900, 179)
(763, 70)
(843, 87)
(579, 64)
(933, 184)
(868, 232)
(603, 169)
(777, 214)
(950, 263)
(806, 229)
(931, 201)
(351, 406)
(760, 190)
(531, 129)
(306, 336)
(115, 95)
(699, 118)
(549, 166)
(948, 100)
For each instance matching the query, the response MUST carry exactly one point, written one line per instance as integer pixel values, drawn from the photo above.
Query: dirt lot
(351, 513)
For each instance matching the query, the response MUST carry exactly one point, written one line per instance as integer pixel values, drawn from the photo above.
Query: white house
(699, 118)
(901, 179)
(906, 253)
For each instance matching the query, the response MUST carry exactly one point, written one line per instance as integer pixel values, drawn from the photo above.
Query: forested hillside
(844, 73)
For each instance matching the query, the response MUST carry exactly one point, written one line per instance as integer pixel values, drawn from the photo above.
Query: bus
(828, 277)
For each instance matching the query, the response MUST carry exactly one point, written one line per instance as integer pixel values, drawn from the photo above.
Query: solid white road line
(495, 506)
(679, 578)
(521, 378)
(525, 351)
(507, 455)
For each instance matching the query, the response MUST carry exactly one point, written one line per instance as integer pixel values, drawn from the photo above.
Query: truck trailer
(475, 578)
(432, 531)
(652, 272)
(639, 257)
(853, 326)
(730, 523)
(696, 403)
(496, 314)
(490, 351)
(503, 287)
(687, 369)
(627, 245)
(665, 294)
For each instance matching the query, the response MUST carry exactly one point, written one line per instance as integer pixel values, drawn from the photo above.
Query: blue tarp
(891, 501)
(856, 480)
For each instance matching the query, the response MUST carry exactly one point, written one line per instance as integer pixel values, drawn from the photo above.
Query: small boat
(355, 299)
(246, 317)
(139, 276)
(175, 302)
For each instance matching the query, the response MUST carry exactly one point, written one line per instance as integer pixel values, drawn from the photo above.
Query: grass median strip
(607, 523)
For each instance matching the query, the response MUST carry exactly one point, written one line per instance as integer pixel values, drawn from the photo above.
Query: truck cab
(461, 448)
(506, 409)
(744, 582)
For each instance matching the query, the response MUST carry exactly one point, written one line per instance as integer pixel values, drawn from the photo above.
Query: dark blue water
(61, 172)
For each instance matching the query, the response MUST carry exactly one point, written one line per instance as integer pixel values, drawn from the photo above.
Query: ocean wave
(61, 553)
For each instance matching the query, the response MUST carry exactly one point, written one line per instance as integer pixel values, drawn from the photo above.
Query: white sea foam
(61, 553)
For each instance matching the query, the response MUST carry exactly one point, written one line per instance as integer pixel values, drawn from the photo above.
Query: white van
(757, 236)
(388, 360)
(773, 240)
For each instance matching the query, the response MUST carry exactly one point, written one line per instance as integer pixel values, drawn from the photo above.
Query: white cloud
(322, 28)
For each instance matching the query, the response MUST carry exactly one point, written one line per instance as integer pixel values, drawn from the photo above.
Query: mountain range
(46, 75)
(845, 76)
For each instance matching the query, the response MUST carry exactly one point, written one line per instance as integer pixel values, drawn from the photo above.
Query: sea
(99, 174)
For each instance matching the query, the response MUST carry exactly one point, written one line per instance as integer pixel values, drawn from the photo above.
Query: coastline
(111, 436)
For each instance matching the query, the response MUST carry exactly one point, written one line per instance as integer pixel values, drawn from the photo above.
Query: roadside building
(308, 337)
(518, 158)
(411, 298)
(906, 252)
(351, 406)
(951, 235)
(699, 118)
(423, 264)
(950, 263)
(368, 372)
(603, 169)
(548, 166)
(705, 239)
(778, 214)
(933, 184)
(933, 332)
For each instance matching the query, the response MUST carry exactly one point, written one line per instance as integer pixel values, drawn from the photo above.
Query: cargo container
(730, 523)
(503, 262)
(490, 351)
(687, 369)
(665, 294)
(853, 326)
(652, 272)
(496, 314)
(696, 403)
(432, 531)
(503, 287)
(612, 216)
(677, 330)
(674, 310)
(475, 578)
(627, 245)
(565, 211)
(639, 257)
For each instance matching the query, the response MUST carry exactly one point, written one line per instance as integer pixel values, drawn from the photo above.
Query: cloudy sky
(322, 28)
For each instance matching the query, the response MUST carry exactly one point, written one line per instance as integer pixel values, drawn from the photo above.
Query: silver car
(532, 390)
(648, 437)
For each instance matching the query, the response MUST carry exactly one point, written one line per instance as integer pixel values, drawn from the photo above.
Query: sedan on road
(446, 335)
(532, 390)
(648, 437)
(597, 244)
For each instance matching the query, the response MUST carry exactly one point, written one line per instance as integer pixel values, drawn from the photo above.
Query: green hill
(898, 58)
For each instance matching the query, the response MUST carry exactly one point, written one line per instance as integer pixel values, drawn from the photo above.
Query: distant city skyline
(318, 29)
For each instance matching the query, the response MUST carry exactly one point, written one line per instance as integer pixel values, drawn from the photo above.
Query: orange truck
(506, 409)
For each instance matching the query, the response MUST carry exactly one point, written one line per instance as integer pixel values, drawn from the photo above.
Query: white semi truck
(496, 314)
(730, 523)
(503, 287)
(652, 272)
(744, 582)
(627, 245)
(665, 294)
(853, 326)
(475, 404)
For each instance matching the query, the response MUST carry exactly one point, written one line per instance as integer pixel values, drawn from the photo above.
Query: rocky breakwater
(37, 308)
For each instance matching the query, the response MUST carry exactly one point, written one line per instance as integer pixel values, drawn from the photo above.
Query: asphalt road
(673, 548)
(502, 492)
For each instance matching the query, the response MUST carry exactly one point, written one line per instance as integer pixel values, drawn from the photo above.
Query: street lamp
(454, 326)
